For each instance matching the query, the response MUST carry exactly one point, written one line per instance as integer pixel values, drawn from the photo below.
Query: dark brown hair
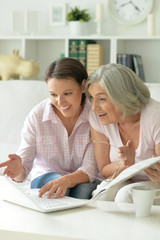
(67, 68)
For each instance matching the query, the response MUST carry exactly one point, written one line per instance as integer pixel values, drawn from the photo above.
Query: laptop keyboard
(46, 203)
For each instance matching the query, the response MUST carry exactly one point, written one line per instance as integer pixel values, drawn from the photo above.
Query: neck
(69, 122)
(134, 118)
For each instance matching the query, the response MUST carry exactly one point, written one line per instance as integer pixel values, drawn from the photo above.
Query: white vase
(77, 28)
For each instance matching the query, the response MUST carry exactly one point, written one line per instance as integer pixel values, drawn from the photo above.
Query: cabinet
(45, 49)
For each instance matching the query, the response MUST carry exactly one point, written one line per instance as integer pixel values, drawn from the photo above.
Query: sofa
(17, 97)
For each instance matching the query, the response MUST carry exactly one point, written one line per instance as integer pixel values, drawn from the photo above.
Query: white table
(106, 221)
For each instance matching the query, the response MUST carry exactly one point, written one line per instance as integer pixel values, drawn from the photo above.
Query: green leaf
(75, 14)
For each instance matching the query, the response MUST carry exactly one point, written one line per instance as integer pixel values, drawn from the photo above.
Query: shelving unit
(45, 49)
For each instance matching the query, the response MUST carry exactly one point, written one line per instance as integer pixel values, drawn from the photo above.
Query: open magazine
(127, 174)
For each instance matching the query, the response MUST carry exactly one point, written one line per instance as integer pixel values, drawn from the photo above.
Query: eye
(67, 93)
(102, 99)
(53, 94)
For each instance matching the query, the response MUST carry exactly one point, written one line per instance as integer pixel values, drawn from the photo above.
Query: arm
(18, 166)
(125, 156)
(106, 168)
(154, 172)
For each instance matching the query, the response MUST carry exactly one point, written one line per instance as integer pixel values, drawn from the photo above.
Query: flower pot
(77, 28)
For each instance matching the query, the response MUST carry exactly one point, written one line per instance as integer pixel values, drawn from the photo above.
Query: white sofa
(17, 97)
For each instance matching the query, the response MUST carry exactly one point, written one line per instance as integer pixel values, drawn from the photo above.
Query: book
(78, 50)
(94, 57)
(138, 65)
(132, 61)
(127, 174)
(125, 59)
(74, 49)
(83, 50)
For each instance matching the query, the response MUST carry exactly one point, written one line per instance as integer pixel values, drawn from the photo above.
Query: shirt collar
(49, 114)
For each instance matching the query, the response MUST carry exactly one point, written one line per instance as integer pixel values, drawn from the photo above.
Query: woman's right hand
(127, 154)
(14, 168)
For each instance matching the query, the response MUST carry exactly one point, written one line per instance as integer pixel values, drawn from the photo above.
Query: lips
(102, 115)
(65, 108)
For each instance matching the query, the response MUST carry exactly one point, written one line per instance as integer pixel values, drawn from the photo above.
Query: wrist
(20, 178)
(67, 179)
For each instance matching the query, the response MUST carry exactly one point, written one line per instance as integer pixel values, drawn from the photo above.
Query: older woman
(124, 116)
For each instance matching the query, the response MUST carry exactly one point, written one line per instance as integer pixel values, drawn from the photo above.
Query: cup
(143, 198)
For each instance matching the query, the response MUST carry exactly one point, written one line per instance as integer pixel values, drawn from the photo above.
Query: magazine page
(127, 174)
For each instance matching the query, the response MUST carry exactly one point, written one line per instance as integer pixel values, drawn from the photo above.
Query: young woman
(125, 116)
(56, 137)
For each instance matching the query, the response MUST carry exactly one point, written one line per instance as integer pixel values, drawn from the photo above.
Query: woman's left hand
(154, 173)
(58, 187)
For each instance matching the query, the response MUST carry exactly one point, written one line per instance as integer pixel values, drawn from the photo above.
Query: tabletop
(97, 221)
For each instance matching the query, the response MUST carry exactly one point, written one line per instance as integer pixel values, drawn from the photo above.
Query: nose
(60, 100)
(95, 105)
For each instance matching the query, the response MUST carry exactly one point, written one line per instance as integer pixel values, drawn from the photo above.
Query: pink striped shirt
(45, 143)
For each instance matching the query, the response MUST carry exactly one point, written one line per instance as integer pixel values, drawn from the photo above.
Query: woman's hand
(154, 173)
(127, 154)
(57, 187)
(14, 168)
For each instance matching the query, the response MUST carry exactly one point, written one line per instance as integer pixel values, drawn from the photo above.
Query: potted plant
(77, 19)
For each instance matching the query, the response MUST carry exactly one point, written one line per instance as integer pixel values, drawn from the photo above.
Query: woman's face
(66, 96)
(107, 112)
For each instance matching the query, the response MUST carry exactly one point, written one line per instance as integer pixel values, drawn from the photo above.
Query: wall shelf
(45, 49)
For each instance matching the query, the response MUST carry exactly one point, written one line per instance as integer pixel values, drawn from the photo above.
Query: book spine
(129, 62)
(83, 52)
(135, 62)
(74, 49)
(94, 57)
(119, 58)
(140, 66)
(125, 59)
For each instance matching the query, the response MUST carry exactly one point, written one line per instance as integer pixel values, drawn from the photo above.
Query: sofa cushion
(154, 89)
(17, 98)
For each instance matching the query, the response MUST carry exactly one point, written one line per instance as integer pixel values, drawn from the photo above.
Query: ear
(83, 85)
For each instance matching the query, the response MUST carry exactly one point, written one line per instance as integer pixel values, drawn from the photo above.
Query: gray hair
(124, 88)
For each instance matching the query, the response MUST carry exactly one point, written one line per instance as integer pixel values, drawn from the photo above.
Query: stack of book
(78, 50)
(94, 57)
(132, 61)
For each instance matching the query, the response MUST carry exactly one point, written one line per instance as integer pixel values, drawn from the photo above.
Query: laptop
(23, 195)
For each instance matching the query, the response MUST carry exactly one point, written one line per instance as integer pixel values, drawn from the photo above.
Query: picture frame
(58, 14)
(19, 22)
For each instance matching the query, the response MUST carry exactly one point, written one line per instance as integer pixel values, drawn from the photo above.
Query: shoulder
(93, 118)
(87, 106)
(150, 116)
(85, 113)
(152, 107)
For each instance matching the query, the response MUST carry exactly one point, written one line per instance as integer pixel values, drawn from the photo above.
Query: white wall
(110, 26)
